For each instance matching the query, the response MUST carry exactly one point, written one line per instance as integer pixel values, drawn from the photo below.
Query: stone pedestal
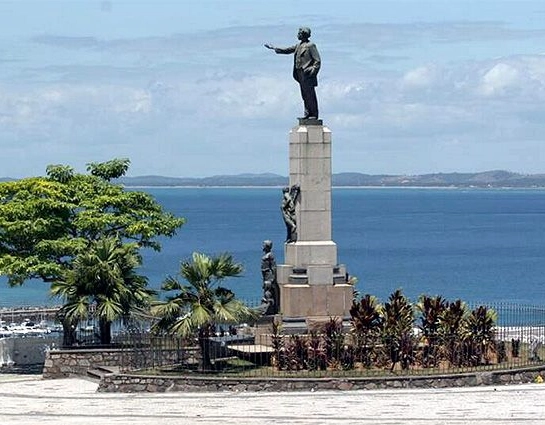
(312, 285)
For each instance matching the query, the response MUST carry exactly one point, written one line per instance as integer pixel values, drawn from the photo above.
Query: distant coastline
(349, 187)
(496, 179)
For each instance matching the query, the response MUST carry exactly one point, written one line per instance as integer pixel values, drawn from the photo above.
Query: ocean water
(478, 245)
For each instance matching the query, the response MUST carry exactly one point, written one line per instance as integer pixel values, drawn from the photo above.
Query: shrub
(333, 341)
(481, 335)
(367, 321)
(453, 332)
(397, 335)
(430, 309)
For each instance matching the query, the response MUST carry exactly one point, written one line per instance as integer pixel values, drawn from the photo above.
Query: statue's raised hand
(269, 46)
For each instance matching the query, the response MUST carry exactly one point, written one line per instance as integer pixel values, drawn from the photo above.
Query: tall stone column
(312, 285)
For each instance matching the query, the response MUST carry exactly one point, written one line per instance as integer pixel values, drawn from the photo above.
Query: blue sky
(186, 88)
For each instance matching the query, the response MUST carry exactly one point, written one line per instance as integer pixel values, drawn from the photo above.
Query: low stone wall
(64, 363)
(142, 383)
(67, 362)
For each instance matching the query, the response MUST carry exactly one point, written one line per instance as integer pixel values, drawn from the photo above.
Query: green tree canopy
(45, 222)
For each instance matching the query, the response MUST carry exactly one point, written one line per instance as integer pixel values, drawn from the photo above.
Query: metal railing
(516, 340)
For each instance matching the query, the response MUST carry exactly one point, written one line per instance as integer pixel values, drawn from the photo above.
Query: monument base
(313, 287)
(311, 324)
(263, 329)
(327, 300)
(310, 121)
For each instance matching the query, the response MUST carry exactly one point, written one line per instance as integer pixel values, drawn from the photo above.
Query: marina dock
(36, 314)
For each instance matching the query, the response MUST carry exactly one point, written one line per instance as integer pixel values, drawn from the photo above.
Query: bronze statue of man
(306, 64)
(289, 199)
(268, 263)
(270, 300)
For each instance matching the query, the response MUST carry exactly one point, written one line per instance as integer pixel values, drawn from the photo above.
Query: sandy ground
(32, 400)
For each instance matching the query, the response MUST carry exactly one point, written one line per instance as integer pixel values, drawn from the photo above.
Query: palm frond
(200, 303)
(169, 309)
(109, 310)
(200, 315)
(183, 327)
(233, 311)
(75, 310)
(106, 274)
(171, 284)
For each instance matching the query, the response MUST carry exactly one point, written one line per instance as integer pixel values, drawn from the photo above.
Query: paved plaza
(32, 400)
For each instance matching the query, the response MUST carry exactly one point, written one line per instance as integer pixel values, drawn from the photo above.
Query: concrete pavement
(32, 400)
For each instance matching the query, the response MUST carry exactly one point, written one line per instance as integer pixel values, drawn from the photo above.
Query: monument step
(298, 279)
(303, 279)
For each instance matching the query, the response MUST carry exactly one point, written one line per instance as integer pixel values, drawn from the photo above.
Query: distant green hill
(266, 179)
(496, 178)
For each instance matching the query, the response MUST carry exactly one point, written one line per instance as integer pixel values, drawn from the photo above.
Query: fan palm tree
(201, 303)
(104, 276)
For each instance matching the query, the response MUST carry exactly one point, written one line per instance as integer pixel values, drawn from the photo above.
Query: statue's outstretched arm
(281, 50)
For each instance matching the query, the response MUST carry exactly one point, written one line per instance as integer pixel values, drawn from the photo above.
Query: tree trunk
(204, 344)
(105, 328)
(68, 332)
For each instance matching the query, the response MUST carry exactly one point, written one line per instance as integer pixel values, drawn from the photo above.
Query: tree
(201, 303)
(453, 331)
(367, 321)
(397, 330)
(103, 276)
(431, 309)
(46, 222)
(481, 324)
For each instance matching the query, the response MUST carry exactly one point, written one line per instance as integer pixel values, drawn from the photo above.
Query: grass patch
(243, 369)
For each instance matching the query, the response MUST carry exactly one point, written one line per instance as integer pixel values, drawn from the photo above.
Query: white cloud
(536, 67)
(420, 77)
(135, 102)
(52, 95)
(335, 90)
(67, 113)
(254, 97)
(382, 85)
(352, 121)
(500, 78)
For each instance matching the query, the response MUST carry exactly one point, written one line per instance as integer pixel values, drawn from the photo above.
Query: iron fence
(516, 340)
(145, 351)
